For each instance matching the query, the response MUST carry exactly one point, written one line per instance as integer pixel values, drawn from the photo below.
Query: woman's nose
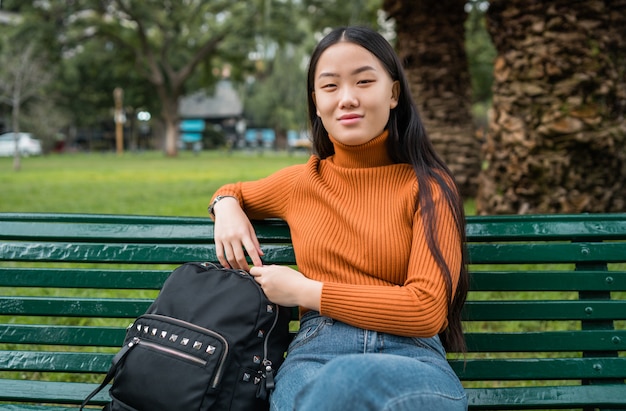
(348, 98)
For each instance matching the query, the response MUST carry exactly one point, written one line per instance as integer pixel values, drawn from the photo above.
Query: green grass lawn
(134, 183)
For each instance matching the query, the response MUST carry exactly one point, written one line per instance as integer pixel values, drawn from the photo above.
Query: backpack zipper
(267, 363)
(171, 351)
(185, 324)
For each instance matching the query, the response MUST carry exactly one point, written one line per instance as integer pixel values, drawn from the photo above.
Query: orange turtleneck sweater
(354, 228)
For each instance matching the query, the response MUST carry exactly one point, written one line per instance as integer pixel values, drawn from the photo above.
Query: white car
(27, 145)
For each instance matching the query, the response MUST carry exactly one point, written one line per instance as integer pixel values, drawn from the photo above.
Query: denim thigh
(321, 340)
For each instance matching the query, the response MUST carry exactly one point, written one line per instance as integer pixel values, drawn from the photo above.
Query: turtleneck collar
(371, 154)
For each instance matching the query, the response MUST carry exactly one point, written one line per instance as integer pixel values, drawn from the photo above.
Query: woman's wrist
(215, 203)
(312, 295)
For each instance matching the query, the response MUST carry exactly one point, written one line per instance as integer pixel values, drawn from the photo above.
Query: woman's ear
(395, 94)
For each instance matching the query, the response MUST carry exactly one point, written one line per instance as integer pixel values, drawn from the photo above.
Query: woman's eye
(329, 86)
(367, 81)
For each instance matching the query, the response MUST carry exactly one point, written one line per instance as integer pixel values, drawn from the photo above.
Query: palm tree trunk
(430, 41)
(557, 136)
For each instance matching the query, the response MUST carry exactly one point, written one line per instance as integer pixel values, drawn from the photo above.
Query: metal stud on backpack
(210, 341)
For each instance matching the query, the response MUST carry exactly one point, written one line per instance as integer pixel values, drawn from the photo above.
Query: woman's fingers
(235, 239)
(219, 251)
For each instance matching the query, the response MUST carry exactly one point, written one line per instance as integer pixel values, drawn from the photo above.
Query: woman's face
(353, 93)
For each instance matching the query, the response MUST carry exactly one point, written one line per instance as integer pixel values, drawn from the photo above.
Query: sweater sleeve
(267, 197)
(417, 308)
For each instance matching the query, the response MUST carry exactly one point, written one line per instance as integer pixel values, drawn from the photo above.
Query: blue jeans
(334, 366)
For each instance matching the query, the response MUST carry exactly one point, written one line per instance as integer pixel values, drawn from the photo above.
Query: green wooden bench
(546, 318)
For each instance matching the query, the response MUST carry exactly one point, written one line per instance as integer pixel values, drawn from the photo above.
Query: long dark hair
(408, 143)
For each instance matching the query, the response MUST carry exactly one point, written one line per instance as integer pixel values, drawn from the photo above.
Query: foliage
(82, 75)
(325, 14)
(22, 74)
(23, 77)
(87, 80)
(278, 99)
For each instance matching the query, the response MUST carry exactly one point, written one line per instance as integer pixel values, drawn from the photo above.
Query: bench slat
(62, 335)
(51, 392)
(479, 228)
(549, 280)
(565, 397)
(82, 278)
(86, 232)
(119, 228)
(27, 407)
(42, 361)
(77, 218)
(544, 310)
(540, 368)
(558, 253)
(468, 370)
(283, 254)
(583, 280)
(590, 340)
(587, 340)
(74, 307)
(546, 227)
(128, 253)
(473, 310)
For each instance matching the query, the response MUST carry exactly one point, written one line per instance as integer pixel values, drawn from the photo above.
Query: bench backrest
(547, 306)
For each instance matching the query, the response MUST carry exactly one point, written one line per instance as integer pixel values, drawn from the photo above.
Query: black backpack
(210, 341)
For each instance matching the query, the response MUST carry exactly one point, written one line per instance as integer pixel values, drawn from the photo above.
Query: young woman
(378, 230)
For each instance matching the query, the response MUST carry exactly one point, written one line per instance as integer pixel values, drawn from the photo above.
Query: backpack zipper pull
(267, 380)
(269, 376)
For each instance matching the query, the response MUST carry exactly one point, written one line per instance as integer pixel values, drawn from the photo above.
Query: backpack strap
(111, 373)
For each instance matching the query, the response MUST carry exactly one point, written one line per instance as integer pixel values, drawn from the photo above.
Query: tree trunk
(171, 121)
(431, 44)
(169, 93)
(15, 125)
(556, 131)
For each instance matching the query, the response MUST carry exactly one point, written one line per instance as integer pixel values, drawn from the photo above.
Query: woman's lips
(349, 119)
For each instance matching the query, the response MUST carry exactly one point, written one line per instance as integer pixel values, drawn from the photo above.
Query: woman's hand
(287, 287)
(233, 234)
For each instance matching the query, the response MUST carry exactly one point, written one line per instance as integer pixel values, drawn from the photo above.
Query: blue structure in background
(191, 130)
(260, 137)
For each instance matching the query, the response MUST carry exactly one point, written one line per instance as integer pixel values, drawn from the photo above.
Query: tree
(79, 93)
(23, 75)
(84, 87)
(170, 41)
(556, 134)
(430, 41)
